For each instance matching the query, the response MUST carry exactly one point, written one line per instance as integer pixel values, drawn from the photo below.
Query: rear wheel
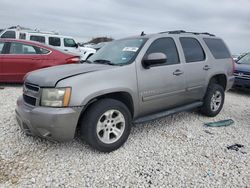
(106, 125)
(214, 100)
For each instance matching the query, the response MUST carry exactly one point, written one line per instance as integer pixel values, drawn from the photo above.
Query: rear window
(9, 34)
(37, 38)
(54, 41)
(69, 42)
(192, 49)
(217, 48)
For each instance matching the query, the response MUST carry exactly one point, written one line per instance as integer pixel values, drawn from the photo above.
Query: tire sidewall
(100, 109)
(212, 89)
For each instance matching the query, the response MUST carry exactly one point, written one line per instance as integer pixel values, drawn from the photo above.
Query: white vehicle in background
(89, 49)
(87, 52)
(62, 42)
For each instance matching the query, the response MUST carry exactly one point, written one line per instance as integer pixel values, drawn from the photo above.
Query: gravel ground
(176, 151)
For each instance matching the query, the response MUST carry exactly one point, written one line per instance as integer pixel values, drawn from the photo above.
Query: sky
(84, 19)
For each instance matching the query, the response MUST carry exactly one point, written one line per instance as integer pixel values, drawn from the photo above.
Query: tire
(101, 122)
(213, 101)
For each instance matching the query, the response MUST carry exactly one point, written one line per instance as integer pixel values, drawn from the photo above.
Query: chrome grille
(31, 94)
(243, 75)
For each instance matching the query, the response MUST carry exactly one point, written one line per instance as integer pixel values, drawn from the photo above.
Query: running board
(168, 112)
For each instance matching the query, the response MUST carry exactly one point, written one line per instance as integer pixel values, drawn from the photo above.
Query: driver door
(161, 87)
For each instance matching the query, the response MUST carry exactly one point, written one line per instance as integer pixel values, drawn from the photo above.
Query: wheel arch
(220, 79)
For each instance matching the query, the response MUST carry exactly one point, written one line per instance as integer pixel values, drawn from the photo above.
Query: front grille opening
(32, 87)
(29, 100)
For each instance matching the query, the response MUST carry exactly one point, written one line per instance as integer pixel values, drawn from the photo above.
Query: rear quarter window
(218, 48)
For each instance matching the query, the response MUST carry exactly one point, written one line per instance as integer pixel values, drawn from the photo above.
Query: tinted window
(9, 34)
(1, 47)
(217, 48)
(166, 46)
(22, 36)
(69, 43)
(19, 48)
(54, 41)
(192, 49)
(37, 38)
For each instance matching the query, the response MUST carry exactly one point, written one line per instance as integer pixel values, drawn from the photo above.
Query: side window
(192, 49)
(217, 48)
(54, 41)
(1, 47)
(9, 34)
(37, 38)
(22, 36)
(166, 46)
(43, 51)
(69, 42)
(19, 48)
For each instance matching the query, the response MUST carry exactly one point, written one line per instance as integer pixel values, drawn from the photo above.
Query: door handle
(206, 67)
(177, 72)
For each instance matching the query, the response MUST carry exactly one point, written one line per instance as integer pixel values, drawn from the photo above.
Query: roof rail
(182, 31)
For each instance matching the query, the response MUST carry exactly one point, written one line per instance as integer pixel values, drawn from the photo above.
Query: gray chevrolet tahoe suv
(131, 80)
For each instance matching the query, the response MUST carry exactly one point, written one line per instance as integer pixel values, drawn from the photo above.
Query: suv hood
(49, 77)
(242, 67)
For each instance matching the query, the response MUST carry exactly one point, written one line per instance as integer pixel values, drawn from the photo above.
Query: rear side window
(192, 49)
(1, 47)
(22, 36)
(54, 41)
(217, 48)
(166, 46)
(43, 51)
(9, 34)
(19, 48)
(37, 38)
(69, 43)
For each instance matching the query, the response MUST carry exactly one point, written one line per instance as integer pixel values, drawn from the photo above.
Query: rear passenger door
(159, 87)
(21, 59)
(195, 68)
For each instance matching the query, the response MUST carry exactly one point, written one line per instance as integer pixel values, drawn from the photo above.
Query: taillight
(233, 67)
(73, 60)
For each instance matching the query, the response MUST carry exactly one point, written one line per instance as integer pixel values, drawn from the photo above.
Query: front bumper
(242, 83)
(57, 124)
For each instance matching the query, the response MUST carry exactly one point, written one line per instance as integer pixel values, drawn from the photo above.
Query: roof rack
(182, 31)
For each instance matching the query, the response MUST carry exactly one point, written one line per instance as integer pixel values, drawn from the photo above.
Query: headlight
(55, 97)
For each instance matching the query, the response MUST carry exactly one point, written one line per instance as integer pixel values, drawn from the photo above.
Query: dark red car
(18, 57)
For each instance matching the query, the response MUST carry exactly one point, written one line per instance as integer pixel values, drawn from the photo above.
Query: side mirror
(154, 59)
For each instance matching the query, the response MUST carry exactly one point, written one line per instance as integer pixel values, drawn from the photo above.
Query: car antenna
(142, 33)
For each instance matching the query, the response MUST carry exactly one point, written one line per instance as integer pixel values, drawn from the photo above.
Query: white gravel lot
(173, 151)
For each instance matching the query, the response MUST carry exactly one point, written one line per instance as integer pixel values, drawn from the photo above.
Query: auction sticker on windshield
(130, 49)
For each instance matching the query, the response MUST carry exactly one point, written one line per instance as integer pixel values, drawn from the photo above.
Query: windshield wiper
(86, 61)
(104, 61)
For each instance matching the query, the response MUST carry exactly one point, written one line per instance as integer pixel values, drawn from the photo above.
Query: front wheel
(106, 125)
(213, 101)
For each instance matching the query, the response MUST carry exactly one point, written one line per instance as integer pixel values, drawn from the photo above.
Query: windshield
(245, 59)
(119, 52)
